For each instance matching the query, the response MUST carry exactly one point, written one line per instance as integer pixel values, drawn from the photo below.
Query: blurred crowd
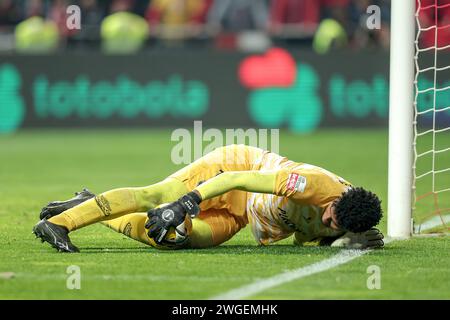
(225, 24)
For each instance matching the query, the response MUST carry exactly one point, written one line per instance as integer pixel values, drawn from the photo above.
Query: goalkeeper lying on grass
(210, 200)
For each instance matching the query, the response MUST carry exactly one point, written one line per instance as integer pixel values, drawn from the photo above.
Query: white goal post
(419, 118)
(401, 114)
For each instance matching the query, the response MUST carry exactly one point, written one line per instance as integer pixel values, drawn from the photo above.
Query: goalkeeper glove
(372, 238)
(161, 219)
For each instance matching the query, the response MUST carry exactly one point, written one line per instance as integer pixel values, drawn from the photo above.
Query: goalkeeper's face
(329, 217)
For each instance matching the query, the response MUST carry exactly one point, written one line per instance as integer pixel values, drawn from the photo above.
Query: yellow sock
(118, 202)
(132, 225)
(108, 205)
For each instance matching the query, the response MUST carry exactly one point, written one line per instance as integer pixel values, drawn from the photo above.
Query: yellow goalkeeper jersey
(302, 193)
(300, 196)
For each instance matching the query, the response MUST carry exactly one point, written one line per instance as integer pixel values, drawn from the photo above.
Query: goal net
(431, 174)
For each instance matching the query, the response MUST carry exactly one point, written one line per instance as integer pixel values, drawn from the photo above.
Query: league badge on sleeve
(296, 182)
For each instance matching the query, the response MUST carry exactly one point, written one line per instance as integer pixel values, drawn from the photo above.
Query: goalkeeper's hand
(372, 238)
(161, 219)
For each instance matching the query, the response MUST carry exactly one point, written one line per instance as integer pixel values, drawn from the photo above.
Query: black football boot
(56, 207)
(57, 236)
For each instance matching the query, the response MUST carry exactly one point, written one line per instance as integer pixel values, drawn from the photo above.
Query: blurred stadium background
(166, 62)
(96, 107)
(200, 23)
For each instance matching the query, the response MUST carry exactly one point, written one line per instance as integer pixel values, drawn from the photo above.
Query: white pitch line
(341, 258)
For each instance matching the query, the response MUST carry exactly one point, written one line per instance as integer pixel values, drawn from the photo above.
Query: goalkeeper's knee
(150, 197)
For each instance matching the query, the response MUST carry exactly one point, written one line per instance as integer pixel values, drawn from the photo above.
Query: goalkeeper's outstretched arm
(161, 219)
(250, 181)
(305, 186)
(265, 182)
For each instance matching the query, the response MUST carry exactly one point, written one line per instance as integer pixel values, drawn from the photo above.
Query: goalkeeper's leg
(118, 202)
(214, 227)
(211, 228)
(132, 225)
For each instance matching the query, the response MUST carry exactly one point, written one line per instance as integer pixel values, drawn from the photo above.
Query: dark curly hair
(358, 210)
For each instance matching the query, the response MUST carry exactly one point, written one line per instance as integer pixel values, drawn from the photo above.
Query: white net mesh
(432, 117)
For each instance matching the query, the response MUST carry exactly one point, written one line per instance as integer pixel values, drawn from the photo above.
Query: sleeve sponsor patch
(296, 182)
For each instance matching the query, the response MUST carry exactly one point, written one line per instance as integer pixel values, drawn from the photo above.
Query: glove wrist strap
(195, 196)
(190, 203)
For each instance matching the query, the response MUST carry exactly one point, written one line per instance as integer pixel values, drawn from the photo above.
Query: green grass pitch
(39, 166)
